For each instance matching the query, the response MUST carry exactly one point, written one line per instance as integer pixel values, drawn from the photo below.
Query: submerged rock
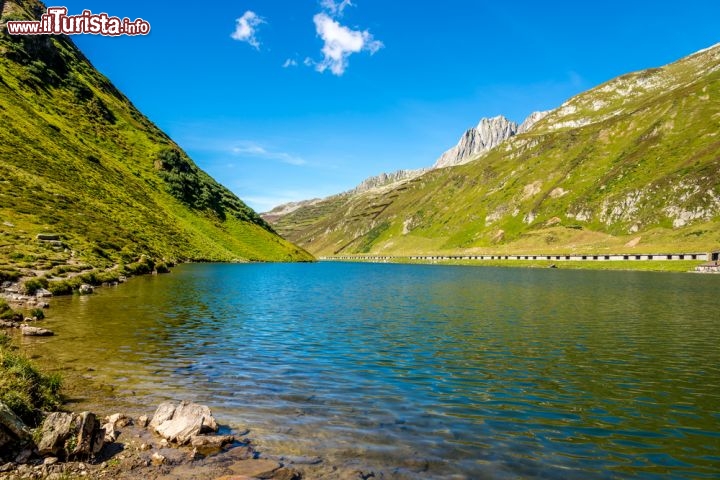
(85, 289)
(180, 422)
(211, 441)
(35, 331)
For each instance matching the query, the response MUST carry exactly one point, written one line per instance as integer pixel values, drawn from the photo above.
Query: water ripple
(472, 372)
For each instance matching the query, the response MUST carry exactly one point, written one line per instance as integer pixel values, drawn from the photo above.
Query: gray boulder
(180, 422)
(14, 434)
(43, 293)
(71, 435)
(56, 430)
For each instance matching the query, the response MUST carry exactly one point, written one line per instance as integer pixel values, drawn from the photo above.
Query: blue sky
(305, 98)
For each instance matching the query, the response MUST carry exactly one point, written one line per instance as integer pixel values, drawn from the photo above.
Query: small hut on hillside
(713, 266)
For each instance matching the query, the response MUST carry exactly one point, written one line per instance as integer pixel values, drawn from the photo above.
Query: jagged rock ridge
(488, 134)
(385, 179)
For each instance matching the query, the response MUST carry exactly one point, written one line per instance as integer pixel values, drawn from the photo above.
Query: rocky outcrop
(286, 208)
(180, 422)
(488, 134)
(13, 432)
(71, 435)
(385, 179)
(531, 120)
(68, 440)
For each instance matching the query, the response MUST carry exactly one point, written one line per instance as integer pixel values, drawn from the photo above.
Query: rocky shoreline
(180, 441)
(125, 447)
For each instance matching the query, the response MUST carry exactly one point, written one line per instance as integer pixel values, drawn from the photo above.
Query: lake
(416, 371)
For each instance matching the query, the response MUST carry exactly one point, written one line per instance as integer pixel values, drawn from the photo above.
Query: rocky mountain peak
(531, 120)
(488, 134)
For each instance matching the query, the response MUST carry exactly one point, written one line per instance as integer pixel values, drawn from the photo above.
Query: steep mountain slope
(638, 156)
(78, 161)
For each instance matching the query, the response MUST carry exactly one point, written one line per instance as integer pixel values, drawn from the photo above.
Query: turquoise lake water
(417, 371)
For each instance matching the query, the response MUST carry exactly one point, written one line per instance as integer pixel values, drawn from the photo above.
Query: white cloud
(246, 27)
(254, 150)
(308, 61)
(335, 8)
(340, 43)
(289, 63)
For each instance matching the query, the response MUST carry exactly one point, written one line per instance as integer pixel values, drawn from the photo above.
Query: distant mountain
(633, 161)
(80, 163)
(476, 141)
(385, 179)
(488, 134)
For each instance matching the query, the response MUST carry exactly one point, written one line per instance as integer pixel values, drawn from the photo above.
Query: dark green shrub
(141, 267)
(161, 267)
(32, 285)
(61, 287)
(9, 275)
(6, 313)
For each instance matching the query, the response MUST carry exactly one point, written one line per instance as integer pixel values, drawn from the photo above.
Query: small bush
(145, 265)
(108, 277)
(32, 285)
(6, 313)
(61, 287)
(37, 313)
(90, 278)
(161, 267)
(9, 275)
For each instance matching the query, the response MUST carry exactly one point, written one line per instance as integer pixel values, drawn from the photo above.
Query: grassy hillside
(78, 160)
(632, 165)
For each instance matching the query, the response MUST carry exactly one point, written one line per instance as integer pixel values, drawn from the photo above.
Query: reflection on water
(454, 372)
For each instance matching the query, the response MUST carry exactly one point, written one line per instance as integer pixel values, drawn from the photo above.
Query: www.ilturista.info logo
(56, 21)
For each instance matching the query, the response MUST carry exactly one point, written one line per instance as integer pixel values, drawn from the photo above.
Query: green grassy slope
(637, 158)
(78, 160)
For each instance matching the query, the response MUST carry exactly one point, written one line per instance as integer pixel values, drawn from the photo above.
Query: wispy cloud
(340, 42)
(246, 28)
(335, 8)
(289, 63)
(250, 149)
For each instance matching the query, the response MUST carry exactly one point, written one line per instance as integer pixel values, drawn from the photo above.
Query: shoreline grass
(24, 388)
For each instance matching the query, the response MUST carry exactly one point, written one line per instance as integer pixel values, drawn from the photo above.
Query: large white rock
(180, 422)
